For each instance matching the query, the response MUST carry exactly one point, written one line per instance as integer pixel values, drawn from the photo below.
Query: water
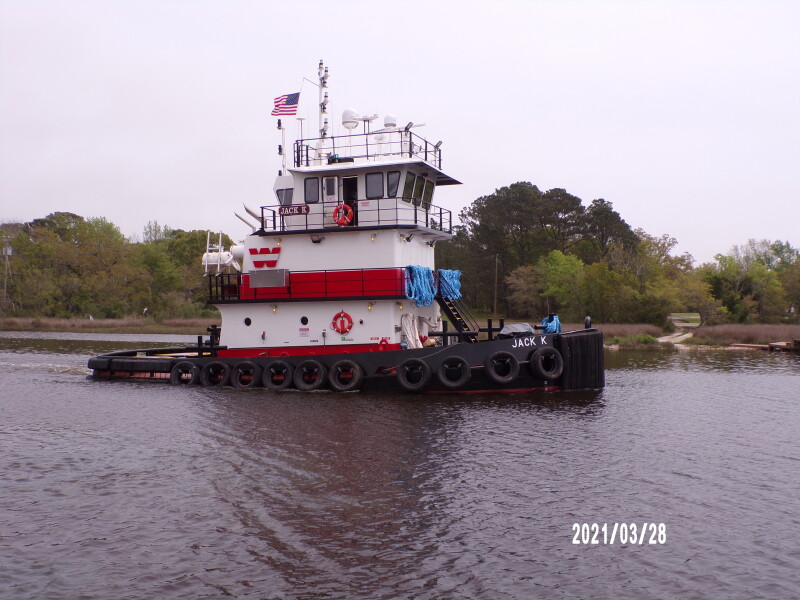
(140, 490)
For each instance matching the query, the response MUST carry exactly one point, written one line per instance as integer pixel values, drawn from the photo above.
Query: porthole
(304, 320)
(248, 321)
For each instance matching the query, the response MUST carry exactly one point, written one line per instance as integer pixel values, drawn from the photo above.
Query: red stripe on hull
(305, 350)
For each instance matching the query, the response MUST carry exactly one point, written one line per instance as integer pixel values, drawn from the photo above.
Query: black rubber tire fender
(414, 365)
(245, 375)
(546, 363)
(277, 367)
(309, 375)
(180, 371)
(215, 374)
(490, 367)
(449, 364)
(345, 367)
(140, 364)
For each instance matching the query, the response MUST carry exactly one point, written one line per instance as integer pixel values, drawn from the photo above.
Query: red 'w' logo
(260, 264)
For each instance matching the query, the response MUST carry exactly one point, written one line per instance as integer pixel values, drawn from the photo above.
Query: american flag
(286, 104)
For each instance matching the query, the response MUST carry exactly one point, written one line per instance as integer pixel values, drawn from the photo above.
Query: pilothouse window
(374, 185)
(312, 190)
(392, 183)
(420, 184)
(427, 195)
(408, 188)
(285, 196)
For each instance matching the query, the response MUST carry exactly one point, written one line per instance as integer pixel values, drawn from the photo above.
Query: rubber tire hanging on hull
(215, 374)
(413, 374)
(546, 363)
(449, 365)
(278, 375)
(309, 375)
(345, 376)
(501, 367)
(246, 375)
(179, 373)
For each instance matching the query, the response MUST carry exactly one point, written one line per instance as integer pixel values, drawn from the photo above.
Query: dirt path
(683, 331)
(677, 337)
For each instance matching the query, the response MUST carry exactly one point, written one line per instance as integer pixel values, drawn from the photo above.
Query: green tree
(789, 278)
(747, 280)
(525, 286)
(559, 215)
(602, 228)
(67, 265)
(504, 223)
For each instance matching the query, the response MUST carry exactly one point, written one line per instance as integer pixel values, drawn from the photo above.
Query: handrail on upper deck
(397, 143)
(382, 212)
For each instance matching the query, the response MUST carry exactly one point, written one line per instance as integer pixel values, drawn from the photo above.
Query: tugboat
(336, 286)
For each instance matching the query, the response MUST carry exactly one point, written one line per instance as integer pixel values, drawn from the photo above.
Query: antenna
(350, 118)
(323, 99)
(367, 119)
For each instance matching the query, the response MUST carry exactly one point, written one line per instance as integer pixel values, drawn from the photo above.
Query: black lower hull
(575, 362)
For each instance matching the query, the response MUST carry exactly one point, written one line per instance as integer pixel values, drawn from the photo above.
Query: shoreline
(106, 326)
(739, 334)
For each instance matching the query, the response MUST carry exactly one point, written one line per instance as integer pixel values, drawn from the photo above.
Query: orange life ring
(343, 214)
(342, 322)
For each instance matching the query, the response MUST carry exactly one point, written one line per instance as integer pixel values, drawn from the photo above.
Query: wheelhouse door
(350, 195)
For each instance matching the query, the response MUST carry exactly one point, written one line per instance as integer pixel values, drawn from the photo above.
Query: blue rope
(420, 286)
(450, 284)
(552, 324)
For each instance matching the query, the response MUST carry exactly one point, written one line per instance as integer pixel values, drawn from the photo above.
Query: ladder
(457, 313)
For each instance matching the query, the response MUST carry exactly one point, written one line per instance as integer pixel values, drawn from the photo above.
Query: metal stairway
(457, 313)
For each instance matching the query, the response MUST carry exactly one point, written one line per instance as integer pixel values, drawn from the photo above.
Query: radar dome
(350, 118)
(390, 121)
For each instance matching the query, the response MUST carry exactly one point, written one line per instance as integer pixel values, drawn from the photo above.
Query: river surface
(141, 490)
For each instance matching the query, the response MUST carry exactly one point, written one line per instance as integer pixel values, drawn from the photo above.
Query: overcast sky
(684, 115)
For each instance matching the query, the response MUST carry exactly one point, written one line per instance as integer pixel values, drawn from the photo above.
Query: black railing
(345, 148)
(224, 287)
(380, 212)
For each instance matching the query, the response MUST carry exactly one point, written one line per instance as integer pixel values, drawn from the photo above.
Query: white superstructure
(328, 266)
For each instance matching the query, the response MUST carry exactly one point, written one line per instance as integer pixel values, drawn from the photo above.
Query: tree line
(536, 252)
(521, 251)
(65, 265)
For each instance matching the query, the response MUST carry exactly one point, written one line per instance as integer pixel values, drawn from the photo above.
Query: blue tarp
(552, 324)
(450, 284)
(420, 286)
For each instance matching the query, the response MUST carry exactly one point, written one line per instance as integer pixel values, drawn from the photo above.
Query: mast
(323, 100)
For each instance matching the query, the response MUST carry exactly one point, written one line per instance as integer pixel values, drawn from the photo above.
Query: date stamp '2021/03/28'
(636, 534)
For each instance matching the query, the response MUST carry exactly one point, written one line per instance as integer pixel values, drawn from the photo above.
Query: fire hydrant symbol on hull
(342, 322)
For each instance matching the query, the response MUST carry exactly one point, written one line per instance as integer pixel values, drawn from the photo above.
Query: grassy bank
(130, 325)
(724, 335)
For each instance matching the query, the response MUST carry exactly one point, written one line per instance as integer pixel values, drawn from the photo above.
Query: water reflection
(330, 478)
(704, 359)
